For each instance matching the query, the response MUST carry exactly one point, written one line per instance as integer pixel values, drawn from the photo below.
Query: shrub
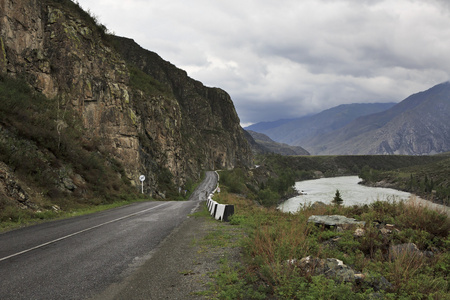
(267, 197)
(234, 180)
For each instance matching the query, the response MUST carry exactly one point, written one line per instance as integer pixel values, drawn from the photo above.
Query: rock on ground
(334, 220)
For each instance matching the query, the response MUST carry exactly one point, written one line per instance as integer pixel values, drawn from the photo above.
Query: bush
(268, 198)
(234, 180)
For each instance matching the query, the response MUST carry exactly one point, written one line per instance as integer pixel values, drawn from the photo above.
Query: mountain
(264, 126)
(297, 131)
(264, 144)
(417, 125)
(82, 109)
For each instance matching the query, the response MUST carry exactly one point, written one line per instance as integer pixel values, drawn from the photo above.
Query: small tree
(337, 200)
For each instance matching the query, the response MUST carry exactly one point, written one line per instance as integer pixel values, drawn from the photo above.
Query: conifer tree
(337, 200)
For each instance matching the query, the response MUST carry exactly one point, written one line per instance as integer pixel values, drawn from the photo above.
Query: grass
(227, 280)
(25, 218)
(272, 238)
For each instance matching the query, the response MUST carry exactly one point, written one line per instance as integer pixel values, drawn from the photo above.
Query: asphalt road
(80, 257)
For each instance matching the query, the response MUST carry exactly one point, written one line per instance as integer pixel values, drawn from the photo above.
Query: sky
(281, 59)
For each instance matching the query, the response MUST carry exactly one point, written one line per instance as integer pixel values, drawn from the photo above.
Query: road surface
(80, 257)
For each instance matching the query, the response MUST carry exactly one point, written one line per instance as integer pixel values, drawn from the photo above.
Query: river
(352, 193)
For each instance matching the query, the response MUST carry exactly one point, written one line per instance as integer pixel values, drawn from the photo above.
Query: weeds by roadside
(14, 218)
(274, 243)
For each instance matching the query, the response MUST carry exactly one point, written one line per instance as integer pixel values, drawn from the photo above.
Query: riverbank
(431, 199)
(324, 189)
(352, 192)
(417, 201)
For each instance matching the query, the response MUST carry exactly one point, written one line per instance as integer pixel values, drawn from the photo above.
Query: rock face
(149, 115)
(204, 121)
(10, 187)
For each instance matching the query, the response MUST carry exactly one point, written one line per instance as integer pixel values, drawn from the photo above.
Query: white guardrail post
(220, 212)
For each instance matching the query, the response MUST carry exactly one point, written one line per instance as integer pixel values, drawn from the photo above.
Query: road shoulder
(180, 267)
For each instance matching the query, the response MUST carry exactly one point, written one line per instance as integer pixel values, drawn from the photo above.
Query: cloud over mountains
(282, 59)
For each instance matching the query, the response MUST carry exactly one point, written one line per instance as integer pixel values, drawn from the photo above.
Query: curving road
(79, 257)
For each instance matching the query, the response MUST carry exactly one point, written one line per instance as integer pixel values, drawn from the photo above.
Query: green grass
(272, 238)
(20, 218)
(227, 281)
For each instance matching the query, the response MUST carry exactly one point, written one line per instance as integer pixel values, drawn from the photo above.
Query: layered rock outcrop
(148, 114)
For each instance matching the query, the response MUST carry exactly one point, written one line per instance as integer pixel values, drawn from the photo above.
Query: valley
(84, 114)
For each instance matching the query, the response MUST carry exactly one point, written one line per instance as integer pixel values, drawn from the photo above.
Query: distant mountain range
(418, 125)
(261, 144)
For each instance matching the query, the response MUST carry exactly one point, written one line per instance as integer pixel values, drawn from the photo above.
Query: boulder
(379, 284)
(359, 232)
(409, 249)
(330, 267)
(334, 220)
(317, 204)
(335, 269)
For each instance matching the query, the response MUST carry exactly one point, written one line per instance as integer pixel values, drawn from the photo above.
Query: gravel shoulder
(180, 267)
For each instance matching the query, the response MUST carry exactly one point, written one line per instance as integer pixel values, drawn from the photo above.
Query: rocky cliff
(135, 107)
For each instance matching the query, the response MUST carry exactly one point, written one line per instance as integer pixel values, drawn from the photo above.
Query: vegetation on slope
(260, 184)
(430, 181)
(89, 17)
(46, 149)
(339, 165)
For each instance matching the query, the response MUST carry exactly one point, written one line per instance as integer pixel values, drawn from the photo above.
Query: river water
(351, 192)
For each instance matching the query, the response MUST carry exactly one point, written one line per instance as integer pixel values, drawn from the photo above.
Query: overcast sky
(287, 58)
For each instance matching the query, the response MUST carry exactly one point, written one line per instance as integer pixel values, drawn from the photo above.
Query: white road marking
(81, 231)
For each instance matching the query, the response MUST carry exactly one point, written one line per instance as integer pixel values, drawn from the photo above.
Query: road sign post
(142, 179)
